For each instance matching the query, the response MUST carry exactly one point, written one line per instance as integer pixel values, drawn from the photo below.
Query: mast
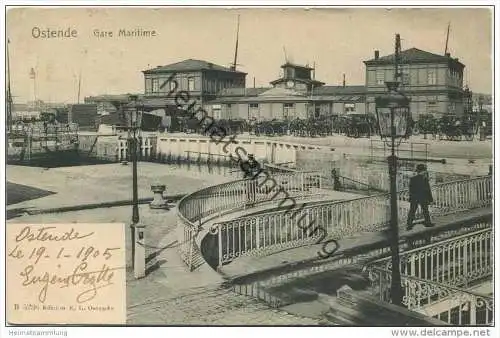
(286, 57)
(233, 66)
(79, 86)
(447, 36)
(397, 48)
(9, 93)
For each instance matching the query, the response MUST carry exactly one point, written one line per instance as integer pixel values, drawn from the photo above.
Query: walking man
(420, 194)
(336, 181)
(251, 169)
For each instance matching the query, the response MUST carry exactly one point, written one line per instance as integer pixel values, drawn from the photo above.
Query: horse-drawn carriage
(426, 125)
(270, 128)
(232, 127)
(357, 125)
(454, 128)
(311, 127)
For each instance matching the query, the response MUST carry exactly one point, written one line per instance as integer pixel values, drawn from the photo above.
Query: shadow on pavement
(17, 193)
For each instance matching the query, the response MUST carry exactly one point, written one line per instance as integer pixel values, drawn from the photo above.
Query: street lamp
(132, 114)
(133, 124)
(393, 116)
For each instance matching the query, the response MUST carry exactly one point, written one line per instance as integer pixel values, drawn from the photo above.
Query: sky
(337, 40)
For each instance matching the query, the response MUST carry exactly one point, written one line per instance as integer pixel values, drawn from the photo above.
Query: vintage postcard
(250, 166)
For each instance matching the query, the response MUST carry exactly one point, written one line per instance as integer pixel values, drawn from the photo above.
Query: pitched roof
(242, 91)
(339, 90)
(280, 92)
(306, 81)
(190, 65)
(290, 64)
(414, 55)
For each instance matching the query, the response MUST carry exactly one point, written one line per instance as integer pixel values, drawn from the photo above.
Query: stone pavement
(206, 306)
(104, 183)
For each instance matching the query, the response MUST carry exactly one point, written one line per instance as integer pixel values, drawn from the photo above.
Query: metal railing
(447, 303)
(198, 207)
(457, 261)
(303, 225)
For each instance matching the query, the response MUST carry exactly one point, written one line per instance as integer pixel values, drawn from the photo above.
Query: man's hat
(421, 167)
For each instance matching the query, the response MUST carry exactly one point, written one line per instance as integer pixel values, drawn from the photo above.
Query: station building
(297, 94)
(434, 83)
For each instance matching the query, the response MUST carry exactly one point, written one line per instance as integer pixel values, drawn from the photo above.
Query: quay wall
(192, 148)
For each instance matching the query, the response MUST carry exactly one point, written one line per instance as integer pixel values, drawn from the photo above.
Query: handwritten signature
(92, 280)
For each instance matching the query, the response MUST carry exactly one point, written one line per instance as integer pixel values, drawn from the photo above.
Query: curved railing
(214, 201)
(313, 223)
(450, 304)
(457, 261)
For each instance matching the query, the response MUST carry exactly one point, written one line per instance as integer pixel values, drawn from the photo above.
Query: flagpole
(9, 97)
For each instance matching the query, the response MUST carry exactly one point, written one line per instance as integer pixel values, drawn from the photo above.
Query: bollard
(482, 134)
(158, 200)
(140, 251)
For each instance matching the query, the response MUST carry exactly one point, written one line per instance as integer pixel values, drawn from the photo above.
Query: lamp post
(137, 230)
(393, 114)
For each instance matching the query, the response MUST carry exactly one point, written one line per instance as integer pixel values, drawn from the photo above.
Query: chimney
(377, 54)
(343, 81)
(254, 81)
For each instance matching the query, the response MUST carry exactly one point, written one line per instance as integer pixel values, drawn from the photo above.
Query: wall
(203, 148)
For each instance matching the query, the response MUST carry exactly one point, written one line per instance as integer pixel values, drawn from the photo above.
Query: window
(148, 86)
(289, 110)
(452, 107)
(253, 111)
(155, 86)
(432, 104)
(190, 84)
(349, 108)
(216, 111)
(380, 77)
(171, 85)
(431, 77)
(405, 75)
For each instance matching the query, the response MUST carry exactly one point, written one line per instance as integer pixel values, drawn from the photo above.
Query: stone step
(369, 307)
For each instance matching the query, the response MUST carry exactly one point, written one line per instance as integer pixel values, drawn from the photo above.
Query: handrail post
(220, 247)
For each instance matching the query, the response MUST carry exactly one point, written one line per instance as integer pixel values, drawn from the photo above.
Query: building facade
(201, 79)
(295, 95)
(434, 83)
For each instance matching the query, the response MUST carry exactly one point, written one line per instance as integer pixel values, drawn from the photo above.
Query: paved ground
(104, 182)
